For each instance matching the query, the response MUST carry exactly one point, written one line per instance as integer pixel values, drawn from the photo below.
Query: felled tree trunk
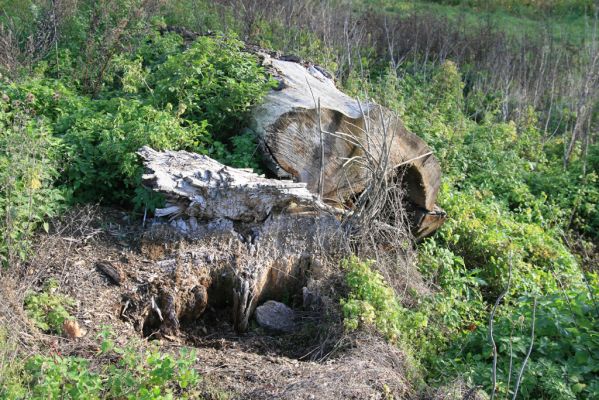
(314, 133)
(200, 187)
(253, 238)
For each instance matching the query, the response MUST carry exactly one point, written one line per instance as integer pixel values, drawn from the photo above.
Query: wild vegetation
(506, 93)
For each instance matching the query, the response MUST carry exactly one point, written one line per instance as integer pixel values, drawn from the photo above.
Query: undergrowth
(504, 233)
(73, 117)
(49, 309)
(130, 372)
(60, 146)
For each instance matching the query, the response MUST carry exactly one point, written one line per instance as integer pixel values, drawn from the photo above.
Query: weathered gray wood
(225, 264)
(200, 187)
(311, 132)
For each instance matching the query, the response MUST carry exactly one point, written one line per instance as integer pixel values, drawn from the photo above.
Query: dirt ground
(318, 362)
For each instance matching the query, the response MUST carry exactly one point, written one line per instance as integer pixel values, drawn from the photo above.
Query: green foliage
(130, 372)
(213, 80)
(447, 88)
(102, 141)
(28, 166)
(372, 302)
(49, 309)
(564, 363)
(531, 8)
(483, 233)
(244, 153)
(500, 214)
(10, 379)
(162, 96)
(459, 304)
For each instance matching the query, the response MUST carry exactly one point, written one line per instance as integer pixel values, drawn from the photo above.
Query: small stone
(276, 316)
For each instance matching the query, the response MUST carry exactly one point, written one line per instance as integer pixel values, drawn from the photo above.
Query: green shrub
(28, 167)
(483, 233)
(564, 363)
(10, 367)
(244, 153)
(49, 309)
(102, 141)
(372, 302)
(129, 372)
(213, 80)
(458, 305)
(162, 96)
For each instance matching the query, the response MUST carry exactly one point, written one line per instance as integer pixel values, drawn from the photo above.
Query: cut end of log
(316, 134)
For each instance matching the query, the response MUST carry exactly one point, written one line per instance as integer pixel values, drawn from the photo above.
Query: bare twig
(532, 341)
(491, 320)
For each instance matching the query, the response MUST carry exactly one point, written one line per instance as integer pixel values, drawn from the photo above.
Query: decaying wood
(223, 264)
(110, 271)
(252, 235)
(202, 188)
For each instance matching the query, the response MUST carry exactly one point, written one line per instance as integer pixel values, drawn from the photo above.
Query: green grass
(568, 28)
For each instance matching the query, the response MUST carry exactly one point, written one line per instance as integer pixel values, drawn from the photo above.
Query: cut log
(253, 238)
(314, 133)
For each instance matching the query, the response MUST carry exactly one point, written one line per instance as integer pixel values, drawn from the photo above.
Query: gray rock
(276, 317)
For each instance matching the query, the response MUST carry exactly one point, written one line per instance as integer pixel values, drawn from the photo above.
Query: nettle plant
(28, 166)
(564, 353)
(164, 95)
(49, 309)
(102, 141)
(212, 80)
(130, 372)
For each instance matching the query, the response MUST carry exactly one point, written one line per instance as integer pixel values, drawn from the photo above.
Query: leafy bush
(102, 141)
(49, 309)
(500, 216)
(458, 307)
(564, 363)
(213, 80)
(244, 153)
(372, 302)
(10, 379)
(129, 372)
(28, 166)
(162, 96)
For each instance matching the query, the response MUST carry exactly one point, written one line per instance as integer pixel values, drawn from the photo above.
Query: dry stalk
(377, 227)
(532, 341)
(491, 321)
